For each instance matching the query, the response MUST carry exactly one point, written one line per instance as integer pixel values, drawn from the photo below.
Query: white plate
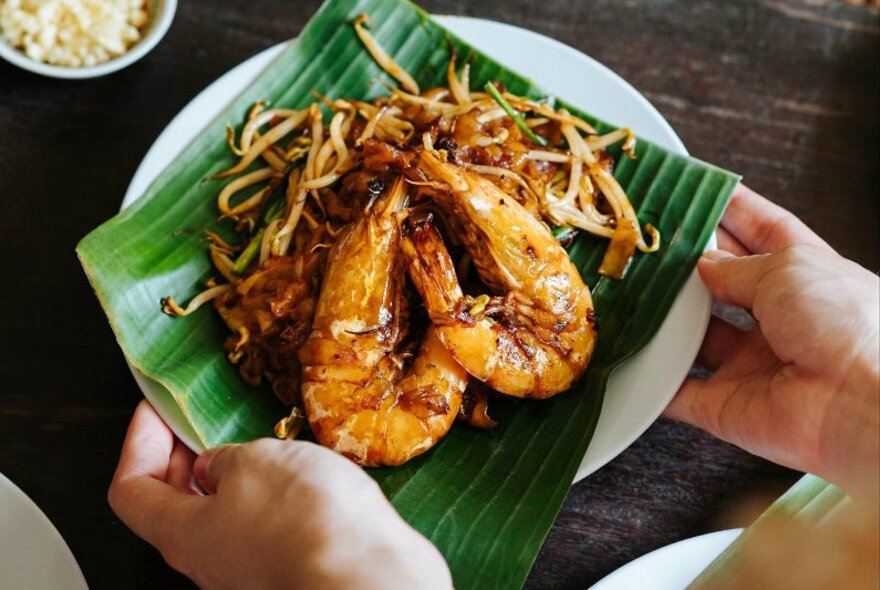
(638, 391)
(33, 556)
(672, 567)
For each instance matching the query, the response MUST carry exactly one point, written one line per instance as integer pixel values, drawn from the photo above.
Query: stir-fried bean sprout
(299, 177)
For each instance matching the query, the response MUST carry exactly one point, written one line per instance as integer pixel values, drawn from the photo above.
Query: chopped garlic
(73, 33)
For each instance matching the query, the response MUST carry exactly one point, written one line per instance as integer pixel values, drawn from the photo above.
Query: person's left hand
(280, 514)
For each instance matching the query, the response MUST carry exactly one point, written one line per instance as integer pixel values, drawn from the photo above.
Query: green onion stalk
(273, 212)
(517, 118)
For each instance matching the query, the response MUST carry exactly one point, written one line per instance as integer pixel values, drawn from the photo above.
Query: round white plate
(33, 556)
(672, 567)
(638, 391)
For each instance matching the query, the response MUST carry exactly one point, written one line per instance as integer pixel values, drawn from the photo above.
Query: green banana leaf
(486, 499)
(810, 504)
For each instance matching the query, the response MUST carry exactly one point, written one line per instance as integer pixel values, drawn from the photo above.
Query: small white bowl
(161, 15)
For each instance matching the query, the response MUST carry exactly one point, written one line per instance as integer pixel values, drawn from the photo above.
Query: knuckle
(224, 465)
(787, 269)
(793, 255)
(301, 453)
(321, 468)
(262, 446)
(232, 457)
(257, 452)
(797, 256)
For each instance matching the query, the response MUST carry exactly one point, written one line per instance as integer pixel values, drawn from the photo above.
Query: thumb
(139, 494)
(213, 465)
(733, 279)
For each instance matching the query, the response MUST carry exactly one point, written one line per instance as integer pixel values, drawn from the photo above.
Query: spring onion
(517, 118)
(273, 212)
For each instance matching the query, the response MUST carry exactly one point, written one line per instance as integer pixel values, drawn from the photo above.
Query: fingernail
(716, 255)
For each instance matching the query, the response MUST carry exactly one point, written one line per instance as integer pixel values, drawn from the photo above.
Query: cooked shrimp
(360, 398)
(535, 337)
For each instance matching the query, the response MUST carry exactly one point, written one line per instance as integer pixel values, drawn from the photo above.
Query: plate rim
(723, 539)
(253, 65)
(23, 502)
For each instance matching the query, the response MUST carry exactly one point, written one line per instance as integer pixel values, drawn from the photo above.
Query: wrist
(384, 554)
(855, 463)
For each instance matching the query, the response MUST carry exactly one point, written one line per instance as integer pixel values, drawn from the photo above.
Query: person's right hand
(803, 387)
(278, 514)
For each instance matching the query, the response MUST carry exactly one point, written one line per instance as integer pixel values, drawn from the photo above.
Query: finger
(180, 469)
(138, 494)
(764, 227)
(692, 405)
(719, 343)
(728, 243)
(213, 465)
(148, 444)
(732, 279)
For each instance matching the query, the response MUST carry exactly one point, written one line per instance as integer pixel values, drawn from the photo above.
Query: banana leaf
(807, 508)
(486, 499)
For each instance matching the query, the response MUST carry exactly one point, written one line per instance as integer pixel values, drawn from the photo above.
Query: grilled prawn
(534, 336)
(360, 397)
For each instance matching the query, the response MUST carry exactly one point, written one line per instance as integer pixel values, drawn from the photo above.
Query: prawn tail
(431, 269)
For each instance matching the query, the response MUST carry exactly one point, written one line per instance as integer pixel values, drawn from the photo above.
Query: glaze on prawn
(360, 397)
(534, 336)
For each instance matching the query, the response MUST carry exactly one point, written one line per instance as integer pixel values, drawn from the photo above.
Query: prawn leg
(534, 336)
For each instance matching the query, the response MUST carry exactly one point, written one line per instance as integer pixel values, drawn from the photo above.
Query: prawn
(533, 337)
(360, 397)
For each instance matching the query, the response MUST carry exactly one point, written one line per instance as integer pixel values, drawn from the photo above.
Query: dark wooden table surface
(783, 91)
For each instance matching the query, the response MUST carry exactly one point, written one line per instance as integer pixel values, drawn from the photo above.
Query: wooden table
(782, 91)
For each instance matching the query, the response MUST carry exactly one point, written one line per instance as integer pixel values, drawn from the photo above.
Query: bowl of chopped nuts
(81, 38)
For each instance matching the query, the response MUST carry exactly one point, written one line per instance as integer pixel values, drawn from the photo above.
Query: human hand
(803, 387)
(279, 514)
